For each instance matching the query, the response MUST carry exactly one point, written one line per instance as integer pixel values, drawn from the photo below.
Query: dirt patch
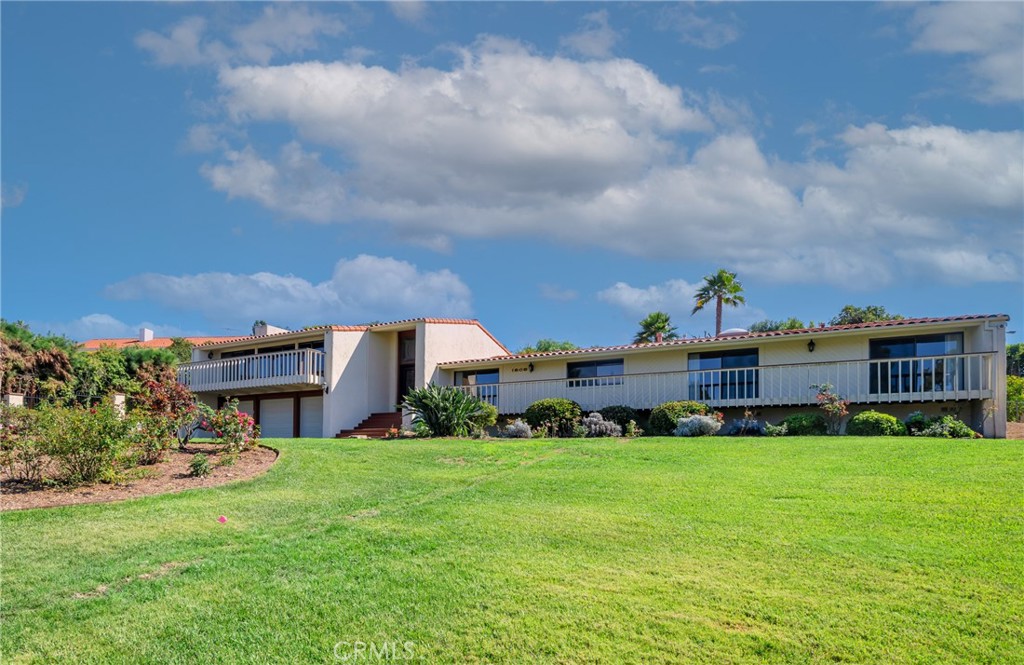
(168, 476)
(102, 589)
(1015, 430)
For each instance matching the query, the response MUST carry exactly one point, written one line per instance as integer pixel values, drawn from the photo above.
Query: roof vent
(733, 332)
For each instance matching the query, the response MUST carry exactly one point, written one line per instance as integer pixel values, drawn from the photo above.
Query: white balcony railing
(297, 367)
(933, 378)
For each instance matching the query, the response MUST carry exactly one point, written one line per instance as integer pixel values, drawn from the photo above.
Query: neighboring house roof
(900, 323)
(155, 343)
(360, 328)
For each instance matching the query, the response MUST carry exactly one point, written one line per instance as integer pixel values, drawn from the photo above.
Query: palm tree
(723, 288)
(654, 323)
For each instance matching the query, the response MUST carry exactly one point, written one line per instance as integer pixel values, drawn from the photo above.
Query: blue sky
(553, 169)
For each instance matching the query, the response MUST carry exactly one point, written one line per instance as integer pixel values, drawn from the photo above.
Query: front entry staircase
(374, 427)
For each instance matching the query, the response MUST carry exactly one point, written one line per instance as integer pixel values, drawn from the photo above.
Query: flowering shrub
(631, 430)
(515, 430)
(597, 426)
(236, 429)
(833, 407)
(775, 430)
(698, 426)
(948, 427)
(163, 398)
(392, 433)
(153, 436)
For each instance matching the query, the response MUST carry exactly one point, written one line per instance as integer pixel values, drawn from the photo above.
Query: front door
(406, 381)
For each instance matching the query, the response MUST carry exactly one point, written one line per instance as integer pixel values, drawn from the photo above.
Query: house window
(484, 384)
(594, 373)
(916, 364)
(723, 375)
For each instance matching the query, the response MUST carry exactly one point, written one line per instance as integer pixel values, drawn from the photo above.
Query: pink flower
(222, 519)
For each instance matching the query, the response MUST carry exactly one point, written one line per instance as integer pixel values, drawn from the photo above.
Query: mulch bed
(171, 475)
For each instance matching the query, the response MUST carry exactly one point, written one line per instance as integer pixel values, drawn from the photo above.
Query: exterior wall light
(810, 346)
(530, 367)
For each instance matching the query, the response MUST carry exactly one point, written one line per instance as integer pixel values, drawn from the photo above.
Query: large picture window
(916, 364)
(723, 375)
(594, 373)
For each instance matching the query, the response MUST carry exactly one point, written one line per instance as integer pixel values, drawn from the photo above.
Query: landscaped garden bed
(173, 474)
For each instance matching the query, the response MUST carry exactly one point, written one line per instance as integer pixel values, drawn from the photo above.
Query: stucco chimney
(145, 335)
(262, 329)
(658, 337)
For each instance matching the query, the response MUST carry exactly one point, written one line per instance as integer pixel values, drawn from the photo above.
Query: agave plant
(446, 410)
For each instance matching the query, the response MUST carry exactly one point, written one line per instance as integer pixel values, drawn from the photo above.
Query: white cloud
(410, 11)
(12, 196)
(93, 326)
(698, 30)
(595, 39)
(278, 29)
(674, 297)
(989, 34)
(508, 142)
(557, 293)
(360, 289)
(297, 185)
(203, 138)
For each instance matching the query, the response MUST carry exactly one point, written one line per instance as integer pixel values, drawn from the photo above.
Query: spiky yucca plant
(446, 410)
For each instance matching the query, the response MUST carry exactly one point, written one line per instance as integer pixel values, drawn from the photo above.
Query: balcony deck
(300, 367)
(935, 378)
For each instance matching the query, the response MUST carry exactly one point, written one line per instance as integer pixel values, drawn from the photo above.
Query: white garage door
(311, 417)
(276, 418)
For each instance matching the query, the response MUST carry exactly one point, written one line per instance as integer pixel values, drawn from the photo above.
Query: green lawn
(571, 551)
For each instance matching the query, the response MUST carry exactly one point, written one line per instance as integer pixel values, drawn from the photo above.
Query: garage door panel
(311, 417)
(276, 418)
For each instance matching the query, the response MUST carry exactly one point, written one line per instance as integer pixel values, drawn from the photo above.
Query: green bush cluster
(873, 423)
(619, 414)
(805, 424)
(199, 467)
(665, 417)
(948, 427)
(556, 415)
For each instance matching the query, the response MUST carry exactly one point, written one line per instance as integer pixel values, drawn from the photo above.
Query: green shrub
(665, 417)
(487, 417)
(631, 430)
(446, 410)
(619, 414)
(916, 422)
(1014, 398)
(948, 427)
(86, 443)
(775, 430)
(555, 414)
(805, 424)
(22, 453)
(199, 466)
(873, 423)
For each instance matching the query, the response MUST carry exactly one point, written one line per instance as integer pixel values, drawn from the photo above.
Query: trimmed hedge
(805, 424)
(873, 423)
(665, 417)
(619, 414)
(556, 412)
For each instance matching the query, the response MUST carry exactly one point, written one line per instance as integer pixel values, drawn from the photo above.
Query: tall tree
(724, 289)
(851, 314)
(651, 325)
(768, 325)
(545, 345)
(181, 348)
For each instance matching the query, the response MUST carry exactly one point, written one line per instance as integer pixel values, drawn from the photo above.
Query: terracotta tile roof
(896, 323)
(361, 328)
(155, 343)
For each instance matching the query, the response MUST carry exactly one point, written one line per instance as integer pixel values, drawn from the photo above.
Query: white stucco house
(335, 380)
